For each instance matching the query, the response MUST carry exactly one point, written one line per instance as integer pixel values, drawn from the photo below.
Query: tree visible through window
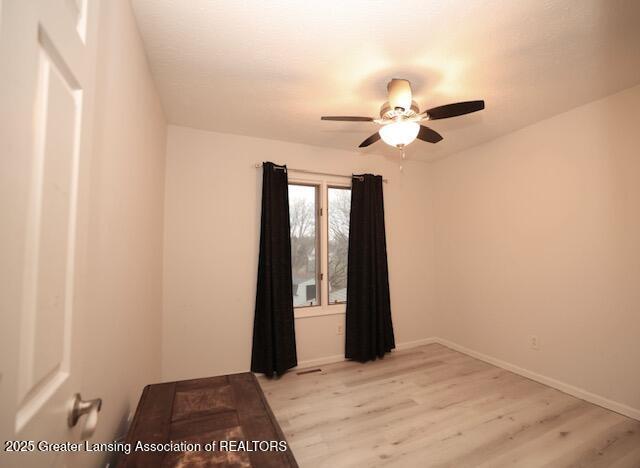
(339, 207)
(309, 238)
(303, 209)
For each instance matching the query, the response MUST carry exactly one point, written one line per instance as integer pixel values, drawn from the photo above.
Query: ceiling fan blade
(372, 139)
(347, 118)
(428, 134)
(399, 92)
(454, 110)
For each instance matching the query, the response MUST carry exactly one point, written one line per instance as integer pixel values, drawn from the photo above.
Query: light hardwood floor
(434, 407)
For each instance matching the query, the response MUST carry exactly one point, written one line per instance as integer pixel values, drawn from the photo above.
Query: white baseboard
(340, 357)
(320, 361)
(543, 379)
(415, 343)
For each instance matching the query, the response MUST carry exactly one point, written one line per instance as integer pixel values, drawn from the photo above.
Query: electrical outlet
(340, 329)
(534, 342)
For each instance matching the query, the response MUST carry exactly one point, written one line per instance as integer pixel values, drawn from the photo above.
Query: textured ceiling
(271, 68)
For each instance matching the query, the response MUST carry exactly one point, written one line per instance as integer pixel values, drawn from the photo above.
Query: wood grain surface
(435, 407)
(229, 407)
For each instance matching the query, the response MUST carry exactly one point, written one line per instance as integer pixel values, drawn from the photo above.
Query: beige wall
(533, 234)
(538, 233)
(212, 213)
(124, 251)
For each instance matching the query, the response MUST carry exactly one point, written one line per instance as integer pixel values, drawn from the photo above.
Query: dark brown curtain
(274, 341)
(369, 330)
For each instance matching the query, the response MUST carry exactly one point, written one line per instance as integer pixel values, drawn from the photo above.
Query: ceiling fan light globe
(399, 134)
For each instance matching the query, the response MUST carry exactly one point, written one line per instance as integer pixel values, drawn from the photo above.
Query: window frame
(339, 187)
(323, 183)
(318, 228)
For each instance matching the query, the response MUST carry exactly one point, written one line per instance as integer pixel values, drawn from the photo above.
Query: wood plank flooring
(434, 407)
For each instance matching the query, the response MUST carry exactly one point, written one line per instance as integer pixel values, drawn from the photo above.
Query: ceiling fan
(400, 117)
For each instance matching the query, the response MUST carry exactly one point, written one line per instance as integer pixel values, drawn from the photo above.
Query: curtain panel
(274, 341)
(369, 329)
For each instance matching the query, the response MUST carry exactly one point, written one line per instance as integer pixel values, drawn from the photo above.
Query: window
(338, 209)
(319, 244)
(303, 219)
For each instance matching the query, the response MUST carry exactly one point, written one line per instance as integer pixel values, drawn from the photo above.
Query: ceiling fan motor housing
(389, 113)
(400, 95)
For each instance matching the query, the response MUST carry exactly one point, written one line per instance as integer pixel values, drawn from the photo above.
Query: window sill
(318, 311)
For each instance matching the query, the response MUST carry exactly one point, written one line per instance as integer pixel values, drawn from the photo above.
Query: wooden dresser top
(202, 411)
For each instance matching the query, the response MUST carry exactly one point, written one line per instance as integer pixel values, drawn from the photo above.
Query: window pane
(338, 210)
(304, 240)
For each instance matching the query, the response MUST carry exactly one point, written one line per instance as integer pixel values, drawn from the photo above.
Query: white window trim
(324, 308)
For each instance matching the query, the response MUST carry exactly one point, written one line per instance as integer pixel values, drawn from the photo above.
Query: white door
(47, 62)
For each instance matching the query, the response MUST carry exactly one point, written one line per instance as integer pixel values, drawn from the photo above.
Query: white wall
(124, 251)
(538, 233)
(212, 215)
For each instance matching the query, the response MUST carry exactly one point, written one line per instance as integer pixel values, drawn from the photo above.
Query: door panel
(49, 259)
(47, 66)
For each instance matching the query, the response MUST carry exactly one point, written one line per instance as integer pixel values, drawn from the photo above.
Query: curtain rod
(305, 171)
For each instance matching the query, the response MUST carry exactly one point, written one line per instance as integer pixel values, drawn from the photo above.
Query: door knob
(80, 407)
